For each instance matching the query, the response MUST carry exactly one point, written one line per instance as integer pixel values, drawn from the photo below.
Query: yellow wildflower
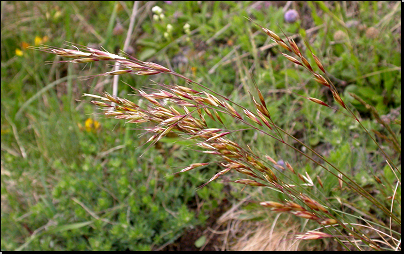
(19, 52)
(91, 125)
(38, 40)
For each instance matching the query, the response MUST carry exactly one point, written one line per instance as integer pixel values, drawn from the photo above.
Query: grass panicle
(181, 110)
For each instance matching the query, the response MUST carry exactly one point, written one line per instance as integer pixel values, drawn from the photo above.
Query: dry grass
(247, 235)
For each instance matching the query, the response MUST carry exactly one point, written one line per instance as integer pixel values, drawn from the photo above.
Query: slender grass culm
(182, 109)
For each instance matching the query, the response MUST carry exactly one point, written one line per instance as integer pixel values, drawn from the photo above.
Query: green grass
(66, 188)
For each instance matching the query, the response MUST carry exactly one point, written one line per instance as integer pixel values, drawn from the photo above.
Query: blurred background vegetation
(75, 180)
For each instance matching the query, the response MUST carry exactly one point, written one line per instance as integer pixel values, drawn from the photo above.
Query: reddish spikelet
(117, 72)
(272, 204)
(149, 98)
(182, 94)
(101, 104)
(192, 166)
(110, 98)
(320, 182)
(206, 146)
(328, 222)
(233, 146)
(319, 64)
(156, 67)
(81, 60)
(65, 52)
(249, 182)
(104, 55)
(252, 116)
(315, 100)
(224, 171)
(174, 111)
(187, 89)
(301, 177)
(233, 112)
(162, 95)
(166, 131)
(171, 120)
(209, 113)
(340, 180)
(270, 159)
(313, 204)
(309, 202)
(233, 165)
(313, 235)
(320, 79)
(283, 45)
(305, 215)
(294, 47)
(147, 72)
(306, 63)
(132, 65)
(216, 99)
(211, 100)
(218, 117)
(262, 100)
(288, 166)
(281, 210)
(260, 107)
(271, 177)
(295, 207)
(271, 34)
(219, 135)
(338, 99)
(247, 172)
(263, 119)
(292, 59)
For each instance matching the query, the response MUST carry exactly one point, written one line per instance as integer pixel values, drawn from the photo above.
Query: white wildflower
(156, 9)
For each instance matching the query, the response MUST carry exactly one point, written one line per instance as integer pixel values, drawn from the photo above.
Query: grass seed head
(294, 46)
(252, 116)
(233, 112)
(292, 59)
(156, 67)
(263, 119)
(340, 180)
(313, 235)
(272, 204)
(305, 215)
(320, 79)
(271, 34)
(249, 182)
(338, 99)
(320, 182)
(218, 117)
(270, 159)
(319, 64)
(306, 63)
(315, 100)
(284, 45)
(192, 166)
(295, 207)
(288, 166)
(328, 221)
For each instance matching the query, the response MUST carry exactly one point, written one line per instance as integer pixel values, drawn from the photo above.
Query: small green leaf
(200, 242)
(147, 53)
(71, 226)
